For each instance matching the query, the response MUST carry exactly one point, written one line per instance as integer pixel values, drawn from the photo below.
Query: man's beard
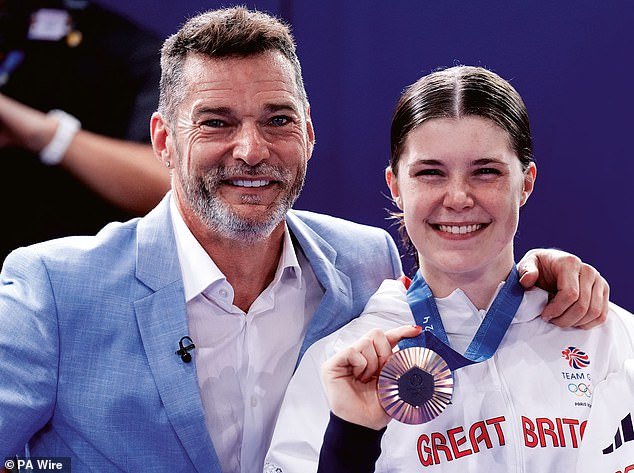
(201, 195)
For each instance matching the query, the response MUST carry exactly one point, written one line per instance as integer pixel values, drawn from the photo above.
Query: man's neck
(248, 266)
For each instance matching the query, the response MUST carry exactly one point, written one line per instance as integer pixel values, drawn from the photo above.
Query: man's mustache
(224, 173)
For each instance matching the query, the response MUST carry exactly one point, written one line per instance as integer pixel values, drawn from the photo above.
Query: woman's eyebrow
(482, 161)
(429, 162)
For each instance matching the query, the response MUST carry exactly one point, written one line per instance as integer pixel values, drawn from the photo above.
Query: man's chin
(247, 227)
(257, 214)
(247, 222)
(258, 217)
(247, 232)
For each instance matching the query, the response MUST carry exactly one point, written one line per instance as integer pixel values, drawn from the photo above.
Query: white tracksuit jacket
(524, 410)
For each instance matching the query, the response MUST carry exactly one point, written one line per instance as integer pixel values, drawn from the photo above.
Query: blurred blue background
(570, 60)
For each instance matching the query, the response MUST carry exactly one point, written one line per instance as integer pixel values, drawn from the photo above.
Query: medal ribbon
(489, 335)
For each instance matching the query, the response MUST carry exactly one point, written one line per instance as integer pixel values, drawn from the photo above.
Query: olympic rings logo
(581, 389)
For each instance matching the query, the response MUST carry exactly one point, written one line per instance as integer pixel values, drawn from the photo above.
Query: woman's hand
(350, 376)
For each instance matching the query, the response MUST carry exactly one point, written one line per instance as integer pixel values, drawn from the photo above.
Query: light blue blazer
(89, 327)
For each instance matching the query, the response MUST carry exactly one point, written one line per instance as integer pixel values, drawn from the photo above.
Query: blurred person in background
(88, 162)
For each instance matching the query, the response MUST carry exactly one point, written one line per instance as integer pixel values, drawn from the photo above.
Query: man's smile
(250, 183)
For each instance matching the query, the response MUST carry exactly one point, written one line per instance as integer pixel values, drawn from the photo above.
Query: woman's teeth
(459, 230)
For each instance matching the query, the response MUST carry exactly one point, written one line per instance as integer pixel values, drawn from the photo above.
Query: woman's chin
(456, 265)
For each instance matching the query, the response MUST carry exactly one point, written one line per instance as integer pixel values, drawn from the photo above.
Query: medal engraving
(415, 385)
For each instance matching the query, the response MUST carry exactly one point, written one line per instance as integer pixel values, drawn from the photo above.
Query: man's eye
(214, 123)
(280, 120)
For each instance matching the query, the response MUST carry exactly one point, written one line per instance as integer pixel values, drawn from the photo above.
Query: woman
(460, 170)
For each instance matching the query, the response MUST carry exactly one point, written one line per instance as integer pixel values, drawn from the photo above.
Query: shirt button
(254, 401)
(223, 292)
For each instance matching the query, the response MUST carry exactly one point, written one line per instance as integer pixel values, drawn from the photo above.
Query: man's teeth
(459, 229)
(245, 183)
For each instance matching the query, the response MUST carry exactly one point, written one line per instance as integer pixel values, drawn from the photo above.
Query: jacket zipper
(513, 420)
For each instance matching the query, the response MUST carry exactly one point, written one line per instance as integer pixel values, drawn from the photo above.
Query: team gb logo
(577, 359)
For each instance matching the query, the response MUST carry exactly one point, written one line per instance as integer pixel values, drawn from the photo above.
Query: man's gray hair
(229, 32)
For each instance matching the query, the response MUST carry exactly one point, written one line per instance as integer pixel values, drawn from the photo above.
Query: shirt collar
(459, 315)
(199, 271)
(288, 267)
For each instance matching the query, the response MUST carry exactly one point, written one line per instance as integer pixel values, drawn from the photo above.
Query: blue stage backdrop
(570, 60)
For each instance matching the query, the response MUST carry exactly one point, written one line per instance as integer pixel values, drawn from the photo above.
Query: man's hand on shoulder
(581, 294)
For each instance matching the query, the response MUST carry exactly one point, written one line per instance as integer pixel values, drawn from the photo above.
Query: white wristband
(67, 128)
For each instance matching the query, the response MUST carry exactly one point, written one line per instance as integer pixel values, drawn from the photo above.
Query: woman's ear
(529, 182)
(392, 183)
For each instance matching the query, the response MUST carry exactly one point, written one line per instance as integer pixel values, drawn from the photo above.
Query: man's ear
(161, 139)
(392, 183)
(311, 133)
(529, 182)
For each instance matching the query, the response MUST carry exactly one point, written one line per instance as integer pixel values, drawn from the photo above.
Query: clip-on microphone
(183, 351)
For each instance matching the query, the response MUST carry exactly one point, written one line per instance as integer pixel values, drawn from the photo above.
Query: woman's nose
(458, 196)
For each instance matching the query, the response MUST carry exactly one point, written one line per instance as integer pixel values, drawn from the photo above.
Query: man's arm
(122, 172)
(581, 295)
(28, 350)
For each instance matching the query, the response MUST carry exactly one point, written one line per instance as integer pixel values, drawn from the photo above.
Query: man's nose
(250, 146)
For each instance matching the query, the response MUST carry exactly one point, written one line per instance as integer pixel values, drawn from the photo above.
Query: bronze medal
(415, 385)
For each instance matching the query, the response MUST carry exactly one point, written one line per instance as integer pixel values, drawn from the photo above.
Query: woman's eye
(280, 120)
(429, 172)
(485, 171)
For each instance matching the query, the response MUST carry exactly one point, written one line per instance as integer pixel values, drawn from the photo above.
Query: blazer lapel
(162, 320)
(335, 308)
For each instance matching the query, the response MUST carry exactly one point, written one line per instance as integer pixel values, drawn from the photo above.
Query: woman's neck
(479, 285)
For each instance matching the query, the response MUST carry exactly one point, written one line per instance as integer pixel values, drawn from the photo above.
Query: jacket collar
(335, 308)
(162, 320)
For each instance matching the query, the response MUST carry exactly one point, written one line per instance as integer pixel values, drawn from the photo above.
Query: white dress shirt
(244, 361)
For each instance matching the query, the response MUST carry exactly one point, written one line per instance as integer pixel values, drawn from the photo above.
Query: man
(93, 329)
